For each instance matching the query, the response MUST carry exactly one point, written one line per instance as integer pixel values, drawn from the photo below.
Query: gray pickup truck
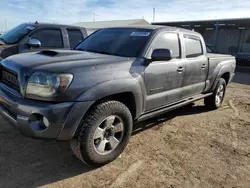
(94, 94)
(29, 37)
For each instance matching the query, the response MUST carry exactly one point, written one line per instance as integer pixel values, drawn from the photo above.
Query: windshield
(15, 34)
(127, 42)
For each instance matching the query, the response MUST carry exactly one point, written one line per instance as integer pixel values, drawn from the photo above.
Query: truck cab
(29, 37)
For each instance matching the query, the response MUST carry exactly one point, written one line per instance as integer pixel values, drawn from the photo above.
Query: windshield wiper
(93, 51)
(103, 52)
(84, 50)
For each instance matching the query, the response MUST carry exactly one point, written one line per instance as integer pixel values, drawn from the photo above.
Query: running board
(172, 107)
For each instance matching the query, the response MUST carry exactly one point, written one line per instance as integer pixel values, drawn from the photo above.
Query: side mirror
(161, 55)
(34, 43)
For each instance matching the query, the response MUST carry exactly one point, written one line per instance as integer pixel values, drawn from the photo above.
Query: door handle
(203, 66)
(180, 69)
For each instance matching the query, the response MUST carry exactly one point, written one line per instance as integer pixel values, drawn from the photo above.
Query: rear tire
(215, 101)
(103, 134)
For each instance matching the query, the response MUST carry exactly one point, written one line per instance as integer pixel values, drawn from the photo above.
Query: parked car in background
(31, 37)
(243, 58)
(117, 76)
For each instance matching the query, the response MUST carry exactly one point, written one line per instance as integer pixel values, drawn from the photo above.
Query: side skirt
(168, 108)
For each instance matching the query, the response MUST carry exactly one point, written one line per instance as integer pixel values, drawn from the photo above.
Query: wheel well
(126, 98)
(226, 77)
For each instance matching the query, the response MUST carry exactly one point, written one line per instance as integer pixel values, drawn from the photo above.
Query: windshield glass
(126, 42)
(15, 34)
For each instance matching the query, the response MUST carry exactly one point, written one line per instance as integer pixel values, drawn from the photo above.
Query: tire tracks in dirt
(236, 111)
(125, 176)
(232, 125)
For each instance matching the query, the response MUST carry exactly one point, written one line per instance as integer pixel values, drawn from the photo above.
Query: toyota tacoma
(94, 94)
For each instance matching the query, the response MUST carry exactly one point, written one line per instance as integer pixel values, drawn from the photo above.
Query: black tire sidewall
(88, 151)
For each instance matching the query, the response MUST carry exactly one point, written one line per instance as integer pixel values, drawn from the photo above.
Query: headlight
(48, 84)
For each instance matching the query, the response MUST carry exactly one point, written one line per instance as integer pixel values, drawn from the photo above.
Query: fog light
(38, 122)
(45, 122)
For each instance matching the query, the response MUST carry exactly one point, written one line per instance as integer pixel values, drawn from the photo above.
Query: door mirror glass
(161, 55)
(34, 43)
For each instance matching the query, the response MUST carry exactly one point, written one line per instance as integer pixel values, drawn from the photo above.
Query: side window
(167, 41)
(75, 37)
(49, 38)
(193, 46)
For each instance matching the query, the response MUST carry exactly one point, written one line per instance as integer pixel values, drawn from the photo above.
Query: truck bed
(214, 59)
(214, 55)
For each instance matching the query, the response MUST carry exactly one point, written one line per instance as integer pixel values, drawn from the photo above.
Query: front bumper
(63, 118)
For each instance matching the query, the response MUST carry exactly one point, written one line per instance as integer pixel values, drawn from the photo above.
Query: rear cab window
(193, 46)
(75, 37)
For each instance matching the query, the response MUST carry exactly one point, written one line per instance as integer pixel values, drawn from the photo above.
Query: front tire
(103, 134)
(215, 101)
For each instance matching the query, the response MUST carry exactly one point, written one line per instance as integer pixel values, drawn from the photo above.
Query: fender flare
(116, 86)
(222, 69)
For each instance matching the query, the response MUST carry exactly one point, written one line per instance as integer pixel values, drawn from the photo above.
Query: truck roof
(52, 25)
(159, 27)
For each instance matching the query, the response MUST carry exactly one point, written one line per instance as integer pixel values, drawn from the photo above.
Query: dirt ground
(190, 147)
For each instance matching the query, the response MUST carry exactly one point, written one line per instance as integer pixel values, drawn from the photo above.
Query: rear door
(196, 66)
(75, 37)
(163, 79)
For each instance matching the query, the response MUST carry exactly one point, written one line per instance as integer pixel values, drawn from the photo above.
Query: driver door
(163, 79)
(50, 38)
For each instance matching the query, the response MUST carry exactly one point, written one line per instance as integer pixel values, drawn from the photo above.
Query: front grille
(9, 78)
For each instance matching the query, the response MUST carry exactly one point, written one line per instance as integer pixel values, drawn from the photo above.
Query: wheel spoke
(217, 99)
(101, 146)
(221, 88)
(98, 133)
(109, 121)
(105, 139)
(118, 127)
(113, 142)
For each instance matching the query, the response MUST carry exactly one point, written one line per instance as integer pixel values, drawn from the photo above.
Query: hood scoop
(48, 53)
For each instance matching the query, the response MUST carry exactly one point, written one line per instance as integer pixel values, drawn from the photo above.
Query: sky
(14, 12)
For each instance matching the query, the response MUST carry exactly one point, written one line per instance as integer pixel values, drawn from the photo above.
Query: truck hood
(58, 60)
(89, 69)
